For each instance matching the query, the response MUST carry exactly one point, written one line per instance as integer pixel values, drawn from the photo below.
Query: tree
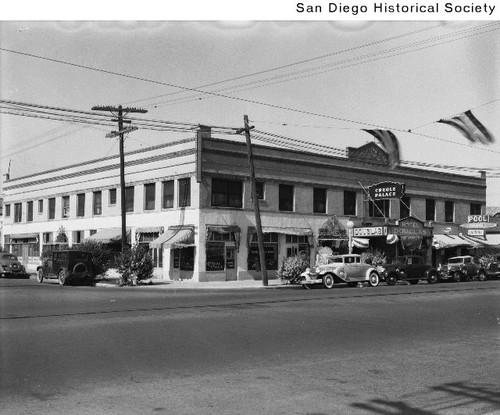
(135, 264)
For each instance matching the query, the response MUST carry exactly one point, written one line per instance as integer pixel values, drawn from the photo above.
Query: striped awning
(287, 231)
(443, 241)
(24, 236)
(361, 243)
(175, 237)
(109, 235)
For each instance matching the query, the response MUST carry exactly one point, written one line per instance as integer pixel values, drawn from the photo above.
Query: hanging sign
(475, 232)
(386, 190)
(478, 225)
(478, 218)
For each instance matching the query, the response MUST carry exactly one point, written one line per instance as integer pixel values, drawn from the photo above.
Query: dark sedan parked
(10, 266)
(67, 266)
(409, 268)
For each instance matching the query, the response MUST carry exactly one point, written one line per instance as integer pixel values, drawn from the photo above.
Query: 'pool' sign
(386, 190)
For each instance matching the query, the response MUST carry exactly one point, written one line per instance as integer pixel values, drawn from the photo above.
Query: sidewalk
(214, 285)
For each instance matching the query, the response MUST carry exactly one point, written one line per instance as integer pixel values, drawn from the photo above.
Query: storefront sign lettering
(475, 232)
(370, 231)
(386, 190)
(478, 218)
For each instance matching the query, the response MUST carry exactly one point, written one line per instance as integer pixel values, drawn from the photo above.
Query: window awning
(442, 241)
(287, 231)
(481, 242)
(361, 243)
(24, 236)
(493, 238)
(224, 229)
(110, 235)
(175, 237)
(150, 229)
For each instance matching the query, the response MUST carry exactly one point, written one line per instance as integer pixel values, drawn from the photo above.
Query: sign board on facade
(478, 218)
(386, 190)
(475, 232)
(478, 225)
(370, 231)
(411, 232)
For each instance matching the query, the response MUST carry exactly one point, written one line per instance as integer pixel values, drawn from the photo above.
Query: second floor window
(18, 212)
(52, 208)
(379, 209)
(404, 207)
(40, 206)
(112, 196)
(430, 209)
(97, 203)
(80, 205)
(349, 203)
(449, 214)
(475, 208)
(227, 193)
(65, 207)
(185, 192)
(168, 195)
(149, 196)
(29, 217)
(319, 200)
(129, 199)
(259, 189)
(7, 211)
(286, 197)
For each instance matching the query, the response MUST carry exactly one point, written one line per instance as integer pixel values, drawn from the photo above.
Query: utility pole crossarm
(118, 112)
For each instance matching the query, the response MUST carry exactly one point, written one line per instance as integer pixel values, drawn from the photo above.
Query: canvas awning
(150, 229)
(109, 235)
(175, 237)
(287, 231)
(361, 243)
(480, 241)
(442, 241)
(223, 229)
(23, 236)
(493, 238)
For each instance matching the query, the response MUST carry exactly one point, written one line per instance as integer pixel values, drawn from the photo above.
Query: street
(423, 349)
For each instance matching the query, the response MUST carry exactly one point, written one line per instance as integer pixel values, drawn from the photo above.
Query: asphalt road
(424, 349)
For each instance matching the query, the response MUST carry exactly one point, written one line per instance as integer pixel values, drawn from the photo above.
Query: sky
(316, 81)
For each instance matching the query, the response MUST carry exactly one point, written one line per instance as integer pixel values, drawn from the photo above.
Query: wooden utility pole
(258, 224)
(121, 133)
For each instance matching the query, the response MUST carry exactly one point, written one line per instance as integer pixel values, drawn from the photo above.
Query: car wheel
(413, 282)
(328, 281)
(391, 279)
(432, 278)
(373, 279)
(39, 275)
(457, 277)
(481, 276)
(61, 277)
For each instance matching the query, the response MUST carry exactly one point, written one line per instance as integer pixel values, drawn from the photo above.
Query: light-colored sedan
(341, 269)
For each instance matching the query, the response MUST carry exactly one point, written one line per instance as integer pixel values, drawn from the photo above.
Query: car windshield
(335, 260)
(455, 261)
(395, 260)
(9, 257)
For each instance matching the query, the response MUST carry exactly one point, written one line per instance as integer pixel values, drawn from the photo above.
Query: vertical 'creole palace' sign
(386, 190)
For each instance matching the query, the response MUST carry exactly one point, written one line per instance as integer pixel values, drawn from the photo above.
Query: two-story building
(190, 200)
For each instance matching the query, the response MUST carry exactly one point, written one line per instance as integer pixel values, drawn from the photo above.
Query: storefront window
(215, 256)
(183, 259)
(270, 250)
(297, 245)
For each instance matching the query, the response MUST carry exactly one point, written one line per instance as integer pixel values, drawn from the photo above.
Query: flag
(470, 127)
(389, 144)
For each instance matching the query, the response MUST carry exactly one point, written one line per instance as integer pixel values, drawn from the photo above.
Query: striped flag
(470, 127)
(389, 144)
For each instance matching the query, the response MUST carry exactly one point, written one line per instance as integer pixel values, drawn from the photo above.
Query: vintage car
(341, 269)
(11, 267)
(67, 266)
(409, 268)
(462, 268)
(492, 268)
